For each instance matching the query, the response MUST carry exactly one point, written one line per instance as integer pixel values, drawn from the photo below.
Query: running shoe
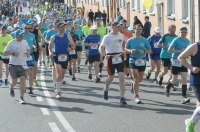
(86, 62)
(166, 91)
(78, 69)
(122, 101)
(185, 100)
(148, 75)
(97, 80)
(155, 80)
(73, 78)
(90, 76)
(100, 75)
(58, 95)
(70, 72)
(189, 125)
(12, 92)
(138, 100)
(6, 81)
(63, 82)
(105, 95)
(21, 101)
(1, 82)
(30, 90)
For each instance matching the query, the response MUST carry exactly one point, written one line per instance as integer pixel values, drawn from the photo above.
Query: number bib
(29, 58)
(139, 62)
(73, 52)
(5, 57)
(62, 58)
(95, 46)
(116, 60)
(176, 63)
(155, 45)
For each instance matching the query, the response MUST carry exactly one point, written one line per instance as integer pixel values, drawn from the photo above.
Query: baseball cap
(4, 27)
(16, 25)
(115, 24)
(157, 30)
(30, 21)
(94, 27)
(183, 27)
(10, 28)
(19, 32)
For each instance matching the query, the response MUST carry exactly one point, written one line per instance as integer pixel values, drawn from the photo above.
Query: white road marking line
(53, 105)
(45, 111)
(54, 127)
(39, 98)
(36, 89)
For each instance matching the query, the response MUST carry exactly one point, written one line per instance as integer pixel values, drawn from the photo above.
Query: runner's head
(172, 29)
(94, 29)
(84, 22)
(72, 30)
(138, 30)
(183, 32)
(98, 21)
(61, 27)
(27, 28)
(115, 27)
(19, 35)
(4, 30)
(76, 24)
(89, 23)
(157, 31)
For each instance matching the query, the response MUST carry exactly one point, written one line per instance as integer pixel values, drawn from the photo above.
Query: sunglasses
(28, 28)
(183, 32)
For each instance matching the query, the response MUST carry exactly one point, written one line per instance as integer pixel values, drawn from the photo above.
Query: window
(133, 4)
(184, 9)
(151, 9)
(102, 2)
(124, 3)
(106, 2)
(171, 7)
(95, 2)
(138, 5)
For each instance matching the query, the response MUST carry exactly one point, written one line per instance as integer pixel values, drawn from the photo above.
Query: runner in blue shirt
(154, 57)
(177, 46)
(93, 41)
(164, 43)
(137, 46)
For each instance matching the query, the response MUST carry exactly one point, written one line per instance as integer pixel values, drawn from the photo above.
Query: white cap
(94, 27)
(16, 25)
(10, 28)
(157, 30)
(130, 28)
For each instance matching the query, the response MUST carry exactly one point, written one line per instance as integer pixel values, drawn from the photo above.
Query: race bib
(176, 63)
(5, 57)
(72, 52)
(116, 60)
(62, 58)
(95, 46)
(155, 45)
(29, 58)
(139, 62)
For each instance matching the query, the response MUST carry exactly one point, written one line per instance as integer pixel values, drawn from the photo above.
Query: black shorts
(74, 56)
(93, 58)
(47, 49)
(127, 61)
(5, 61)
(166, 62)
(139, 68)
(175, 70)
(79, 48)
(110, 67)
(63, 64)
(36, 55)
(196, 90)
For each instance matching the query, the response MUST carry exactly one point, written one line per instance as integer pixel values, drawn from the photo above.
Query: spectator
(119, 17)
(147, 28)
(104, 16)
(91, 15)
(97, 14)
(137, 21)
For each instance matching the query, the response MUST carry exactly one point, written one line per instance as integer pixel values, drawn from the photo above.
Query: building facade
(162, 13)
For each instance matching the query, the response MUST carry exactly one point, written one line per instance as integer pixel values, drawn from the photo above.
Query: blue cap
(98, 18)
(69, 19)
(183, 27)
(19, 32)
(30, 21)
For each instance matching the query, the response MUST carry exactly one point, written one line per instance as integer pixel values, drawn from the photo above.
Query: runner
(177, 46)
(30, 38)
(18, 49)
(193, 51)
(154, 57)
(60, 53)
(4, 39)
(114, 59)
(93, 41)
(138, 47)
(164, 43)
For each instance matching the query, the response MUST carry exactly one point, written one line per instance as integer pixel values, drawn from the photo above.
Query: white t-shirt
(21, 47)
(113, 43)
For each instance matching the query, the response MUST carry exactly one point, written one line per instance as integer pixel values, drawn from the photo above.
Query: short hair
(147, 17)
(172, 26)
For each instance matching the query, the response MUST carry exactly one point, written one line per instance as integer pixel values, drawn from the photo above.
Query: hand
(69, 49)
(141, 51)
(195, 69)
(107, 56)
(51, 55)
(16, 54)
(132, 51)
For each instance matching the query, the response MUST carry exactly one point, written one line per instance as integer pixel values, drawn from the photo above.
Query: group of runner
(59, 44)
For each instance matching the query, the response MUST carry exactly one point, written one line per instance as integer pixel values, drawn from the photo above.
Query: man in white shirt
(18, 50)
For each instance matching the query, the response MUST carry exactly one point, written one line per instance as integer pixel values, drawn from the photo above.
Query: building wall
(121, 6)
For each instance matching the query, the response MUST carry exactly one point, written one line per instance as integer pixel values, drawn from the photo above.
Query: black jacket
(146, 29)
